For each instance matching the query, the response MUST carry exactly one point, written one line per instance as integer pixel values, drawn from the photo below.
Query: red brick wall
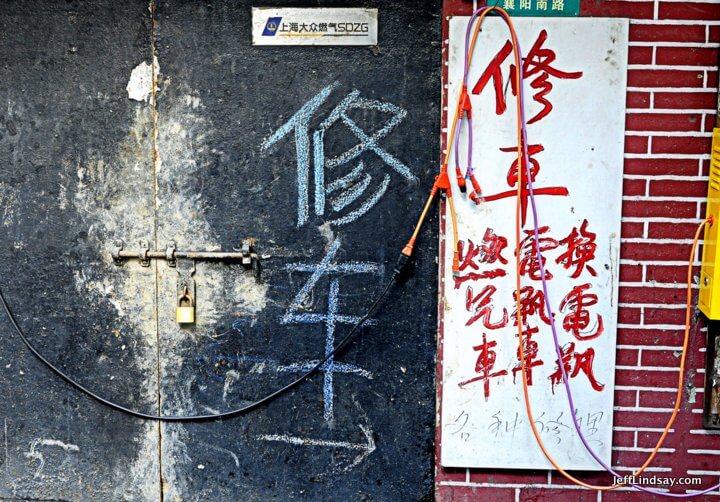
(671, 98)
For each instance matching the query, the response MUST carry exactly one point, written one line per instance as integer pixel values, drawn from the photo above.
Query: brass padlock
(185, 311)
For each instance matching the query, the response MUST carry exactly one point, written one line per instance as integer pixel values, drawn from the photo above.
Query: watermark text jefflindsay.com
(657, 481)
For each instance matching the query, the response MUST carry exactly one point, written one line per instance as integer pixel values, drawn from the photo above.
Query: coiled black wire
(200, 418)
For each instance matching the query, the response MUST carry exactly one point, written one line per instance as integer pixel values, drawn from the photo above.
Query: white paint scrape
(139, 86)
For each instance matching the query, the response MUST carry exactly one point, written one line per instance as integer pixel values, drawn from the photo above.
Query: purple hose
(479, 11)
(470, 148)
(556, 341)
(469, 170)
(467, 41)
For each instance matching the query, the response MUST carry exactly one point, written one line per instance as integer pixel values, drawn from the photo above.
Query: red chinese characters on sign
(529, 353)
(580, 250)
(532, 302)
(494, 72)
(484, 365)
(575, 253)
(492, 246)
(574, 363)
(530, 263)
(473, 256)
(512, 180)
(538, 64)
(481, 308)
(577, 319)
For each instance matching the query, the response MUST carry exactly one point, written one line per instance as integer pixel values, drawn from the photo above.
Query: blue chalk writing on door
(351, 190)
(296, 314)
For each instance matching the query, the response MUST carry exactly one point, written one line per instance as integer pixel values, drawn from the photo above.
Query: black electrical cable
(397, 272)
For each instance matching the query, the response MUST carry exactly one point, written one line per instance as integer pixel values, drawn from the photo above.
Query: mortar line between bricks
(672, 111)
(623, 428)
(669, 134)
(649, 347)
(673, 45)
(678, 90)
(674, 22)
(555, 486)
(656, 219)
(640, 66)
(664, 177)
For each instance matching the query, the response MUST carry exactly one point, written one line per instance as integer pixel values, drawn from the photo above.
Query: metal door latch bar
(246, 254)
(184, 262)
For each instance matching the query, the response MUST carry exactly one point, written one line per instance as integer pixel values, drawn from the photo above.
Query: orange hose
(453, 216)
(518, 230)
(518, 227)
(451, 139)
(408, 249)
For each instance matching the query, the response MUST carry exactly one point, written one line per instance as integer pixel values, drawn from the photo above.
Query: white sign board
(575, 103)
(314, 26)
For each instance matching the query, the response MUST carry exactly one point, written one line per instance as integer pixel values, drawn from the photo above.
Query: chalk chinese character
(532, 302)
(580, 250)
(298, 314)
(574, 363)
(484, 365)
(481, 307)
(577, 319)
(529, 354)
(529, 264)
(353, 191)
